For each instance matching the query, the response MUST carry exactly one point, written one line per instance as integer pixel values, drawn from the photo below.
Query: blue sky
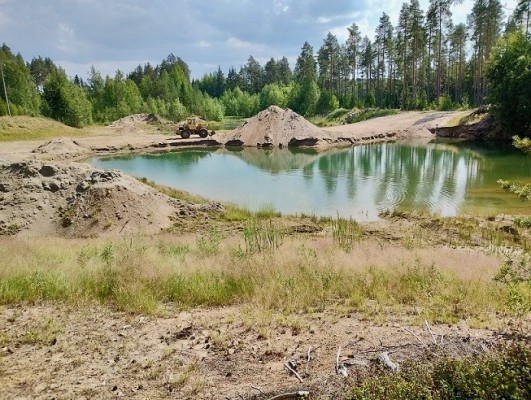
(120, 34)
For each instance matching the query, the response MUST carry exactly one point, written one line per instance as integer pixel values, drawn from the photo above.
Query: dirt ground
(53, 351)
(93, 353)
(141, 137)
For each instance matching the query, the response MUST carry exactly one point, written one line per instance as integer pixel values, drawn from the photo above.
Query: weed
(515, 270)
(67, 216)
(43, 334)
(261, 236)
(345, 232)
(12, 229)
(210, 245)
(522, 222)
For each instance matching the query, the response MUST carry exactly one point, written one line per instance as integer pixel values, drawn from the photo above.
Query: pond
(439, 177)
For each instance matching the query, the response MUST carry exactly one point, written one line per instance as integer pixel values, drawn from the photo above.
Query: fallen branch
(415, 336)
(340, 368)
(433, 338)
(294, 395)
(293, 372)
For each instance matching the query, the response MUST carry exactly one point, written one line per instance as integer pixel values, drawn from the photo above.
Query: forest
(424, 62)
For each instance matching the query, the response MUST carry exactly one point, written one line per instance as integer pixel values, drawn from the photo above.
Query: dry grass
(300, 274)
(29, 128)
(468, 117)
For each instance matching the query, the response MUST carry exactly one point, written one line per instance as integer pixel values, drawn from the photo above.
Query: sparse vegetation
(261, 267)
(502, 374)
(343, 116)
(30, 128)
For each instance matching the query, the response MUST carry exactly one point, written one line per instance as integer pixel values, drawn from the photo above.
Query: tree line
(425, 61)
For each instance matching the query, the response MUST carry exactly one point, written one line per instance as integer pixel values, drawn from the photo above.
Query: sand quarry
(44, 190)
(98, 353)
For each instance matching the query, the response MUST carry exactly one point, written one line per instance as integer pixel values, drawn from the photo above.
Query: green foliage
(522, 190)
(368, 113)
(509, 76)
(239, 103)
(327, 103)
(445, 103)
(502, 374)
(65, 101)
(304, 97)
(21, 90)
(274, 94)
(523, 222)
(523, 144)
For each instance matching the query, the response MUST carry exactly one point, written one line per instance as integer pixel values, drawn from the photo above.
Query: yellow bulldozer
(193, 126)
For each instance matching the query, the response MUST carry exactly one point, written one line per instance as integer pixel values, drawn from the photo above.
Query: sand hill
(275, 127)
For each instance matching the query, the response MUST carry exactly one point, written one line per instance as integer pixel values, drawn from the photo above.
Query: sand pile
(61, 149)
(275, 127)
(43, 198)
(130, 124)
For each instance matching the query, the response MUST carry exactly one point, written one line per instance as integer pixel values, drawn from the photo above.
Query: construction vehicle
(193, 125)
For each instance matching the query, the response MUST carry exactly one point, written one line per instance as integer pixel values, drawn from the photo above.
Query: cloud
(81, 33)
(203, 44)
(66, 39)
(280, 6)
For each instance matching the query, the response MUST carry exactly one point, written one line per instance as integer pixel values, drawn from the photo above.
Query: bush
(502, 374)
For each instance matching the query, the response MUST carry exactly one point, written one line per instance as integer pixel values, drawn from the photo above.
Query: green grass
(345, 232)
(262, 268)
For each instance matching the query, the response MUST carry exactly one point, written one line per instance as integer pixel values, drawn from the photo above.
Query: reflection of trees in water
(395, 175)
(163, 163)
(276, 160)
(181, 160)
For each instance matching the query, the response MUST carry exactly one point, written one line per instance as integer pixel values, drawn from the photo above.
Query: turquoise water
(443, 178)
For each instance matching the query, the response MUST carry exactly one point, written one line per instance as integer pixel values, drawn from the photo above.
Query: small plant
(107, 254)
(261, 236)
(514, 271)
(209, 245)
(522, 222)
(67, 216)
(345, 232)
(12, 229)
(43, 334)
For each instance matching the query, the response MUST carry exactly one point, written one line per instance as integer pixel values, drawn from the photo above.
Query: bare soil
(53, 351)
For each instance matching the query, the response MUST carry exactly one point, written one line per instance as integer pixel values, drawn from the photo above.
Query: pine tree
(305, 67)
(353, 51)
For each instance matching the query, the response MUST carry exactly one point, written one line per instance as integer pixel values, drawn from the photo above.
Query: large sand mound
(61, 148)
(133, 123)
(43, 198)
(275, 127)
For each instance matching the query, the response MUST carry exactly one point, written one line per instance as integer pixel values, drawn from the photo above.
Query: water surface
(362, 181)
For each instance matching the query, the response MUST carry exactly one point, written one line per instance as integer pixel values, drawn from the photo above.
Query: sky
(121, 34)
